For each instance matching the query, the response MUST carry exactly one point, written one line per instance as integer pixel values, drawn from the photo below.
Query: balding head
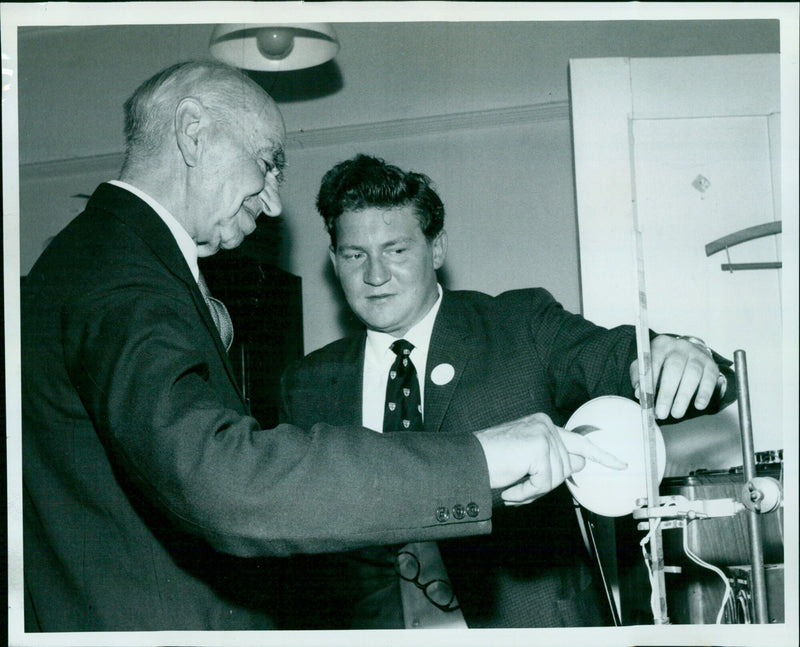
(228, 94)
(206, 142)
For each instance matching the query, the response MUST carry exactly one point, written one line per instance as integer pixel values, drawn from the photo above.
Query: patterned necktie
(219, 313)
(403, 410)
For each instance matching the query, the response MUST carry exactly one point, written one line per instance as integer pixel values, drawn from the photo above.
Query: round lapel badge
(442, 374)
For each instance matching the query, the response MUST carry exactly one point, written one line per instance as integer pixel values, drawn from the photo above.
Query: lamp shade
(274, 48)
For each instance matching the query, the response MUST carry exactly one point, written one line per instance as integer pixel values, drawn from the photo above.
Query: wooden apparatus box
(694, 593)
(723, 541)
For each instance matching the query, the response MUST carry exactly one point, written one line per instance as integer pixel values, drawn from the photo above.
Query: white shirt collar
(419, 334)
(378, 358)
(187, 246)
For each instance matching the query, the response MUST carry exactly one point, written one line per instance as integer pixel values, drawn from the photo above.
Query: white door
(687, 146)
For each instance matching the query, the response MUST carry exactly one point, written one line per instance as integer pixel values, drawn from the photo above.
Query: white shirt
(379, 357)
(418, 612)
(187, 246)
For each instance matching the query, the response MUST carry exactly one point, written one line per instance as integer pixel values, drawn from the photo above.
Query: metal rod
(607, 586)
(757, 575)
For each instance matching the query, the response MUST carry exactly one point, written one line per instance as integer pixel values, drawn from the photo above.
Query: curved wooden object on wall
(742, 236)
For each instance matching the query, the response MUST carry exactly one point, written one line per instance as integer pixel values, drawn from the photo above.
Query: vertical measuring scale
(658, 601)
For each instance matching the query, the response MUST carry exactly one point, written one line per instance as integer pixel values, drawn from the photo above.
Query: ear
(190, 119)
(334, 260)
(439, 246)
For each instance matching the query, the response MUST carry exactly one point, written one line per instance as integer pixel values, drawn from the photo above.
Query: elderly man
(150, 495)
(478, 360)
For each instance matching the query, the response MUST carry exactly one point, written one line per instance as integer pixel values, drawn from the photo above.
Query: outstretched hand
(533, 456)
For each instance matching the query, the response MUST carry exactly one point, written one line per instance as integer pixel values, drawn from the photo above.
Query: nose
(270, 198)
(376, 273)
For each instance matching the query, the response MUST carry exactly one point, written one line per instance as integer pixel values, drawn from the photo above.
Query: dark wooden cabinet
(265, 304)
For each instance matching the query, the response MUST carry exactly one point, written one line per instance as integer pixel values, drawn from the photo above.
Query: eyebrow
(274, 154)
(279, 159)
(404, 240)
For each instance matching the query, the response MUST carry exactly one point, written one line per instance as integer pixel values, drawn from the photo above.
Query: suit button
(459, 511)
(473, 509)
(442, 514)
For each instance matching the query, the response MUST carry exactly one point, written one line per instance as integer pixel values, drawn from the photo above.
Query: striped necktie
(219, 313)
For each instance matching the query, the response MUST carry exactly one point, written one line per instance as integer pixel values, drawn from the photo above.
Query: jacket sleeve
(152, 381)
(586, 361)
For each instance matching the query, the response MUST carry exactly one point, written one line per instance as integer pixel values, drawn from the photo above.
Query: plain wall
(507, 190)
(509, 214)
(428, 96)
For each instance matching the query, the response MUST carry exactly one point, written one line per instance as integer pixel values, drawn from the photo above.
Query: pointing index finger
(581, 445)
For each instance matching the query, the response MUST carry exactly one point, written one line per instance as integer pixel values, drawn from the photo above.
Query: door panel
(696, 181)
(690, 144)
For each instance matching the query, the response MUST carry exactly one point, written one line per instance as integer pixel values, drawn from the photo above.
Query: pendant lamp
(274, 48)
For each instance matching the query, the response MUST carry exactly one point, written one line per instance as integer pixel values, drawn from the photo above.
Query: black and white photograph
(400, 323)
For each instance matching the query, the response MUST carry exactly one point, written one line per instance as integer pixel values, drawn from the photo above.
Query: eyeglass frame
(447, 608)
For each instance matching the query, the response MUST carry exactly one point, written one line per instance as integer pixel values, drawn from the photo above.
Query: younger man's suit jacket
(512, 355)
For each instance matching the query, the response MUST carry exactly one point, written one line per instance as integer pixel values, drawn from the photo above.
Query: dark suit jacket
(152, 501)
(514, 354)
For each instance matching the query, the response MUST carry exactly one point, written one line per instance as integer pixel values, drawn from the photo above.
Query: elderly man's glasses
(438, 591)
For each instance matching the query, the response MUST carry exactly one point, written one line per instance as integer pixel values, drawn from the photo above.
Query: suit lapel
(141, 219)
(341, 382)
(450, 346)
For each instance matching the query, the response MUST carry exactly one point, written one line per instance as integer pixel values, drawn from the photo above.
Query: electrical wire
(655, 606)
(728, 592)
(743, 600)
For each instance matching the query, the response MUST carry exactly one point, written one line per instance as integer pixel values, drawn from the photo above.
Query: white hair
(223, 90)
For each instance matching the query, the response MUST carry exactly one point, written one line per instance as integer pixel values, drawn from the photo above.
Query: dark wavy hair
(364, 181)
